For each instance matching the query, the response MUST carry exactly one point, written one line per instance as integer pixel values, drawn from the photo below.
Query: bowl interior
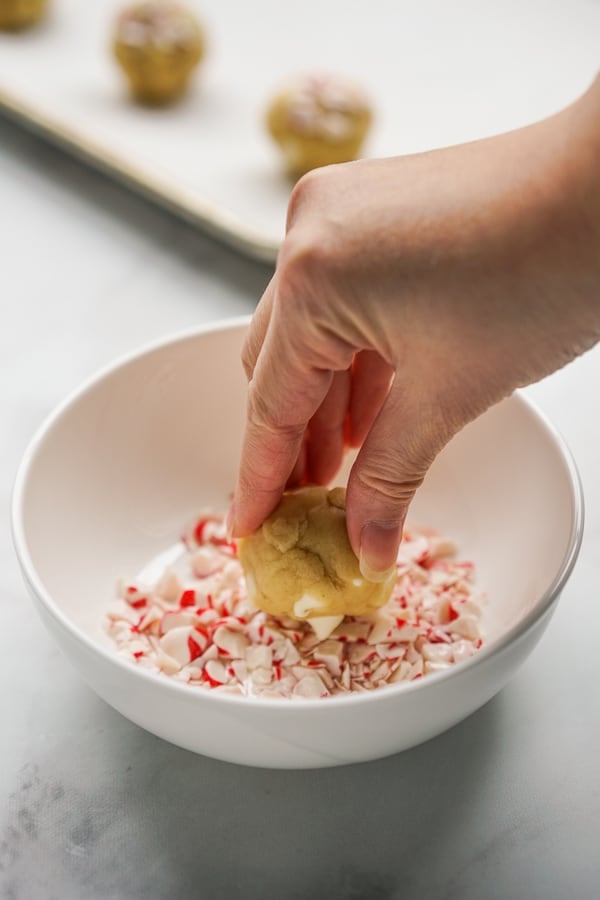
(123, 466)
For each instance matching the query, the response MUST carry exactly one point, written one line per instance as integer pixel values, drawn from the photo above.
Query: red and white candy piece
(184, 644)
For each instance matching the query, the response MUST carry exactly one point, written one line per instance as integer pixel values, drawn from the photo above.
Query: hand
(410, 294)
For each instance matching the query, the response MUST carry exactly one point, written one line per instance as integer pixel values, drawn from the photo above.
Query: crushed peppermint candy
(193, 621)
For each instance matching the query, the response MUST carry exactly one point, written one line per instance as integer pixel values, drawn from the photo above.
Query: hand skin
(411, 294)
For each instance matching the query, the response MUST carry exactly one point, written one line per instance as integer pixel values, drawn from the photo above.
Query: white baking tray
(438, 72)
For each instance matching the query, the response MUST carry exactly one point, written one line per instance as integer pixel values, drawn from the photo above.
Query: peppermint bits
(196, 624)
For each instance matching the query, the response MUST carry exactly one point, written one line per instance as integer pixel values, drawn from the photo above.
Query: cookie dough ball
(318, 121)
(20, 13)
(158, 45)
(300, 562)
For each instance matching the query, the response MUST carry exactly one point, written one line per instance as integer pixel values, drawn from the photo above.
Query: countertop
(505, 805)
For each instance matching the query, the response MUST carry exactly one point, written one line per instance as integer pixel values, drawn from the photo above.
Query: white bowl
(111, 476)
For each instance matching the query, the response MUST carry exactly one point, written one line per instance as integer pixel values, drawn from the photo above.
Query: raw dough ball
(300, 562)
(158, 45)
(20, 13)
(318, 121)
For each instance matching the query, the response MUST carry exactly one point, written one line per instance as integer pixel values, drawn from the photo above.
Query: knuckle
(248, 357)
(306, 190)
(266, 416)
(397, 493)
(260, 411)
(305, 264)
(394, 480)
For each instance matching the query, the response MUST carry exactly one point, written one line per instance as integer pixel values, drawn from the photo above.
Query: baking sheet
(438, 73)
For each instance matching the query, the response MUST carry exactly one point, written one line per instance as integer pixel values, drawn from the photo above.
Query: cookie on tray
(158, 44)
(16, 14)
(319, 120)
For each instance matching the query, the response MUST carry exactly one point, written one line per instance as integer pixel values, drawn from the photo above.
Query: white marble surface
(506, 805)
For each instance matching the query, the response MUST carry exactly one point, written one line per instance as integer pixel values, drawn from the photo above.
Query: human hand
(410, 294)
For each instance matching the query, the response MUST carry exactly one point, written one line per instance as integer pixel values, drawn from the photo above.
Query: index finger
(258, 328)
(284, 393)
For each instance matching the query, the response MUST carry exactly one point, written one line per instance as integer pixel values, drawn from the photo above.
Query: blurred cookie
(319, 120)
(20, 13)
(158, 45)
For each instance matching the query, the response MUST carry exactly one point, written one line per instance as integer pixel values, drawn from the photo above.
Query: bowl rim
(487, 651)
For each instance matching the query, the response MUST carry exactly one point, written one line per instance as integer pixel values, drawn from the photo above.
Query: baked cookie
(299, 563)
(158, 45)
(318, 121)
(20, 13)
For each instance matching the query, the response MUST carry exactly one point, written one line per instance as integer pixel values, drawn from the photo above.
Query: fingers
(325, 443)
(298, 473)
(285, 392)
(371, 380)
(258, 329)
(389, 468)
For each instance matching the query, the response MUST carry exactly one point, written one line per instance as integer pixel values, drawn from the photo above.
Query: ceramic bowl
(111, 476)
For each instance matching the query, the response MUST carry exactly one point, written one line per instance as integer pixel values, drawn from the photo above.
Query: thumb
(392, 463)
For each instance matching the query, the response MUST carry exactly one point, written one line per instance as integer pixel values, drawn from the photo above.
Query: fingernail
(378, 550)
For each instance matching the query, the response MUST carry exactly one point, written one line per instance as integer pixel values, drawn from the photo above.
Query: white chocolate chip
(306, 605)
(323, 626)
